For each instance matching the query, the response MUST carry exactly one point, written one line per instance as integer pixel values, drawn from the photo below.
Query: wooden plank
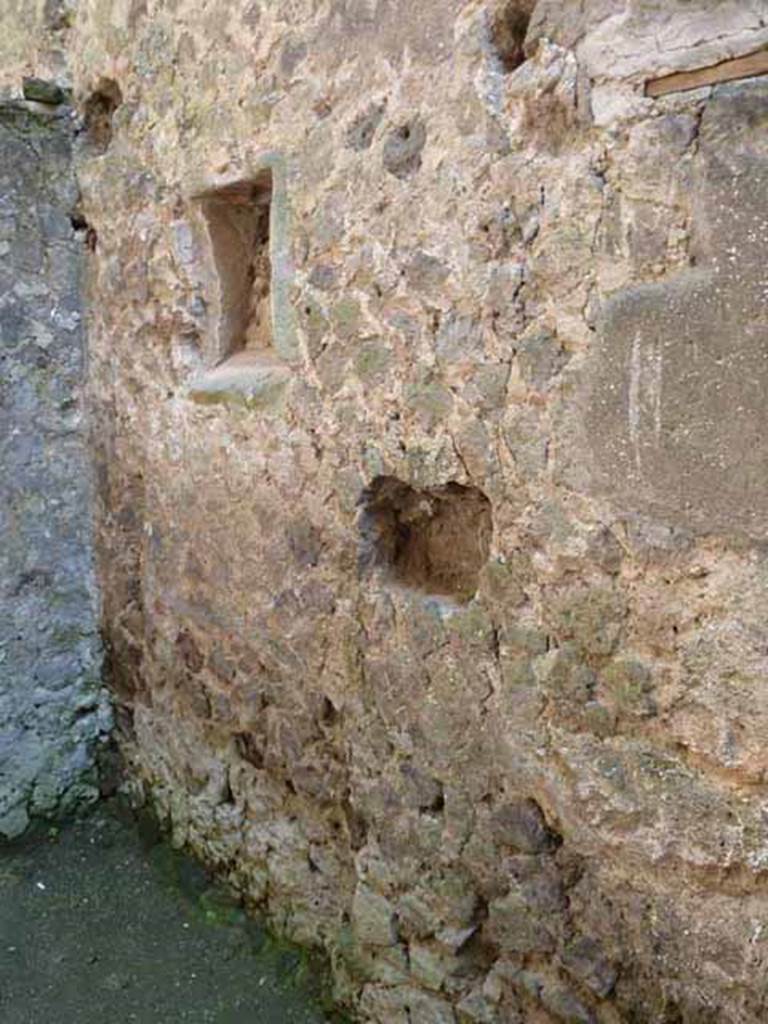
(726, 71)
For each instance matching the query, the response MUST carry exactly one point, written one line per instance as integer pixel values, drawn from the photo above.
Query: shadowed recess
(238, 217)
(435, 540)
(100, 107)
(509, 27)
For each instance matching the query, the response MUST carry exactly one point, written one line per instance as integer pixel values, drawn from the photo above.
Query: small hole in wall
(434, 540)
(328, 713)
(99, 110)
(509, 27)
(356, 826)
(249, 748)
(83, 229)
(238, 218)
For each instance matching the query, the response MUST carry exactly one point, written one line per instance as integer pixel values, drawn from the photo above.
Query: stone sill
(255, 379)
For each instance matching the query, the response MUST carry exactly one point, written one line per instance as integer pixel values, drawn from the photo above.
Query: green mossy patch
(630, 685)
(430, 400)
(372, 360)
(591, 617)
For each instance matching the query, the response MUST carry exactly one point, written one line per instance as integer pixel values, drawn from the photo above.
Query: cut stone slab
(252, 379)
(42, 91)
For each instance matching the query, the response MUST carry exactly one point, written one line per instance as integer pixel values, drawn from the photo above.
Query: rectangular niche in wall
(238, 219)
(249, 366)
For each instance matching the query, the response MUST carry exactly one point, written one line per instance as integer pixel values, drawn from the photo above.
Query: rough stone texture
(53, 710)
(546, 803)
(34, 42)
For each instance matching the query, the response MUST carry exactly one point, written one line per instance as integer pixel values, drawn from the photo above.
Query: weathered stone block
(42, 91)
(587, 963)
(522, 826)
(671, 394)
(430, 965)
(402, 150)
(566, 1006)
(373, 918)
(517, 928)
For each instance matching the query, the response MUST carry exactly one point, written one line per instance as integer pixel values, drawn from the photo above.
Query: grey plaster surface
(52, 709)
(674, 390)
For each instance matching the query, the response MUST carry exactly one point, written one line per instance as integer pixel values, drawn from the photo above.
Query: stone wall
(53, 711)
(436, 611)
(34, 41)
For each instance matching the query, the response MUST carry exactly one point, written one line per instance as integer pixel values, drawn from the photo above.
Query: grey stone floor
(103, 922)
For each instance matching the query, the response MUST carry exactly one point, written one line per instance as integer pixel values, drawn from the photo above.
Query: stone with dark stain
(42, 91)
(403, 149)
(585, 961)
(425, 271)
(521, 825)
(541, 357)
(361, 131)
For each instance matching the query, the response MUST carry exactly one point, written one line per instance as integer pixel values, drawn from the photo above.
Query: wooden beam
(726, 71)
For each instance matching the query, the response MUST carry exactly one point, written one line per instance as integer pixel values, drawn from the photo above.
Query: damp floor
(104, 922)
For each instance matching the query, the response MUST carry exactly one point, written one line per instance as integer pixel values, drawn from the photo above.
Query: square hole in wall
(435, 540)
(238, 220)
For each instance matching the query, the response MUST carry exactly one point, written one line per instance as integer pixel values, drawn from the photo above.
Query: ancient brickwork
(436, 611)
(53, 711)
